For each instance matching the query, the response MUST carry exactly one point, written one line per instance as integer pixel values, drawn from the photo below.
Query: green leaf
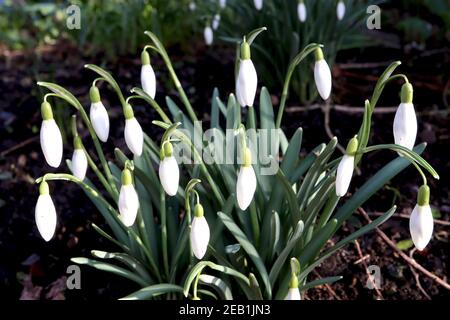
(107, 76)
(291, 157)
(251, 36)
(215, 109)
(63, 93)
(249, 248)
(319, 282)
(153, 291)
(218, 284)
(266, 110)
(404, 244)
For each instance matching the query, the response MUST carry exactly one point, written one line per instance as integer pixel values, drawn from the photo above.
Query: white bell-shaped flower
(216, 21)
(405, 121)
(134, 137)
(79, 160)
(294, 292)
(246, 182)
(322, 75)
(169, 173)
(50, 136)
(247, 80)
(421, 220)
(128, 199)
(98, 115)
(222, 4)
(340, 10)
(148, 78)
(45, 213)
(258, 4)
(208, 35)
(345, 168)
(301, 11)
(192, 6)
(200, 233)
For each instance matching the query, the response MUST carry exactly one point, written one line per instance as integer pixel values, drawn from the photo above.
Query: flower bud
(216, 21)
(192, 6)
(405, 121)
(322, 75)
(45, 213)
(222, 4)
(200, 233)
(294, 292)
(258, 4)
(134, 137)
(421, 220)
(98, 115)
(79, 160)
(340, 10)
(208, 35)
(169, 173)
(246, 182)
(301, 11)
(148, 78)
(345, 169)
(50, 137)
(247, 79)
(128, 199)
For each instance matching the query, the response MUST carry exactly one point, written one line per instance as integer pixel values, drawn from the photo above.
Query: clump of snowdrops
(187, 222)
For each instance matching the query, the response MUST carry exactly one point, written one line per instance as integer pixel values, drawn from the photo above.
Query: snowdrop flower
(45, 213)
(294, 292)
(301, 11)
(340, 10)
(50, 136)
(192, 6)
(79, 160)
(258, 4)
(216, 21)
(222, 4)
(208, 35)
(199, 236)
(169, 173)
(345, 169)
(134, 137)
(148, 78)
(128, 199)
(247, 79)
(405, 121)
(99, 115)
(322, 75)
(421, 219)
(246, 182)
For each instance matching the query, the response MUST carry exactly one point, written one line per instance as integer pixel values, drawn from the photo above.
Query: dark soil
(31, 268)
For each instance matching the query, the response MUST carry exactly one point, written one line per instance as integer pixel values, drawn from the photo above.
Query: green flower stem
(255, 223)
(187, 204)
(165, 250)
(302, 55)
(65, 95)
(144, 96)
(162, 51)
(397, 76)
(424, 178)
(91, 163)
(97, 195)
(251, 122)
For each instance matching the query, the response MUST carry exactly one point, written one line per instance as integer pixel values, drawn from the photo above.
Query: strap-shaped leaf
(153, 291)
(266, 110)
(319, 282)
(215, 109)
(218, 284)
(107, 76)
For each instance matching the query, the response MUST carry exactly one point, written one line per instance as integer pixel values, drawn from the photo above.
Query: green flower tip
(94, 94)
(247, 158)
(77, 143)
(352, 146)
(46, 111)
(167, 149)
(423, 198)
(318, 54)
(145, 58)
(126, 177)
(406, 93)
(128, 112)
(245, 50)
(198, 210)
(43, 188)
(293, 284)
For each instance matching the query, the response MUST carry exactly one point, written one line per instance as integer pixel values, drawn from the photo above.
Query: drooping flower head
(148, 78)
(301, 11)
(322, 75)
(345, 169)
(294, 292)
(247, 80)
(208, 35)
(169, 173)
(45, 213)
(246, 182)
(200, 233)
(134, 137)
(128, 199)
(79, 159)
(421, 219)
(258, 4)
(50, 136)
(405, 121)
(340, 10)
(216, 21)
(98, 115)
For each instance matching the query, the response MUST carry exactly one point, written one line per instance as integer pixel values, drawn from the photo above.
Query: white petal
(199, 236)
(344, 174)
(148, 80)
(340, 10)
(169, 175)
(51, 143)
(222, 3)
(293, 294)
(192, 6)
(128, 204)
(301, 10)
(216, 22)
(100, 120)
(245, 187)
(322, 77)
(258, 4)
(405, 125)
(45, 215)
(247, 83)
(134, 137)
(208, 34)
(79, 164)
(421, 226)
